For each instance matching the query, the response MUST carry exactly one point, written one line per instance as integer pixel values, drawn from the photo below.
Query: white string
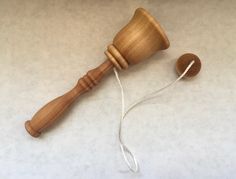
(125, 150)
(132, 163)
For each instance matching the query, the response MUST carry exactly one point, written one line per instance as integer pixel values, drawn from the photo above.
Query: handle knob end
(30, 130)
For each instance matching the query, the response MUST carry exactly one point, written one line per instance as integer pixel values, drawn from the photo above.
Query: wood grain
(138, 40)
(48, 114)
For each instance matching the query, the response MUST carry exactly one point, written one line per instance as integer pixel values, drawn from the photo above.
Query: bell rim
(156, 24)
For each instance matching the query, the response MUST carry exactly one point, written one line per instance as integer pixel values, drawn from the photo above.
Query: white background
(187, 132)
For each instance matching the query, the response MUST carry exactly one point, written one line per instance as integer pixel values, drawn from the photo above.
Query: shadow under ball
(138, 40)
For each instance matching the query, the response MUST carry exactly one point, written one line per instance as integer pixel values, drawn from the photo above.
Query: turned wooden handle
(139, 39)
(49, 113)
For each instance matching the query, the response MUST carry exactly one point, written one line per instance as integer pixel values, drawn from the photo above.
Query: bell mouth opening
(156, 24)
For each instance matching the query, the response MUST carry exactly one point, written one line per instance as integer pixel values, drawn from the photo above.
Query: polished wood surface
(138, 40)
(48, 114)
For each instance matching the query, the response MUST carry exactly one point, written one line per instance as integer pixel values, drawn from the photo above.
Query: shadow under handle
(49, 113)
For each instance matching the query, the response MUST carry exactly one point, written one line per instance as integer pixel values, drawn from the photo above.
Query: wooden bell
(138, 40)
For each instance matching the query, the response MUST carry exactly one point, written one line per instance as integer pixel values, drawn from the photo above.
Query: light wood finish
(48, 114)
(137, 41)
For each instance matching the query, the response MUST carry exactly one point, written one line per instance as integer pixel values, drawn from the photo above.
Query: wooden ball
(183, 62)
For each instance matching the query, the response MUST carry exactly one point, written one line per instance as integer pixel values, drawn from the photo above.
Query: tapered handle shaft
(49, 113)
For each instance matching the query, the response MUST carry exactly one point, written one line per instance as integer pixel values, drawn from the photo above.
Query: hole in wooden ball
(183, 62)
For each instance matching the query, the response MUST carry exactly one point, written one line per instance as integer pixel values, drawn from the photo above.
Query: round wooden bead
(183, 62)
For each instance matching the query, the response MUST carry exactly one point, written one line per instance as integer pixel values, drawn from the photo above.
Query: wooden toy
(136, 42)
(184, 60)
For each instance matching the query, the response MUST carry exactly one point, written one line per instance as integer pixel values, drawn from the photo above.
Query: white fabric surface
(188, 132)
